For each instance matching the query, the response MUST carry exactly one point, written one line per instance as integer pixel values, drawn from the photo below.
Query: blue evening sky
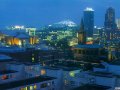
(42, 12)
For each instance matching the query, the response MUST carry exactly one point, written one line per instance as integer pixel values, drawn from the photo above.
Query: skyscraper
(89, 21)
(82, 34)
(118, 23)
(110, 23)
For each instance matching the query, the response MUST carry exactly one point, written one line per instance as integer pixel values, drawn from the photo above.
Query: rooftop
(29, 81)
(89, 46)
(4, 58)
(11, 49)
(22, 36)
(102, 74)
(13, 33)
(62, 67)
(24, 63)
(44, 47)
(99, 66)
(92, 87)
(89, 9)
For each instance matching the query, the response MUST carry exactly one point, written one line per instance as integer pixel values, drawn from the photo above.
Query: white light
(49, 25)
(88, 9)
(19, 27)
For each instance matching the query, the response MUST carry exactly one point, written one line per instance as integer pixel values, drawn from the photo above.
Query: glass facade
(110, 19)
(89, 21)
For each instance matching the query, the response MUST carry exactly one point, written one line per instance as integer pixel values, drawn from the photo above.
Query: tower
(89, 22)
(82, 34)
(110, 24)
(118, 23)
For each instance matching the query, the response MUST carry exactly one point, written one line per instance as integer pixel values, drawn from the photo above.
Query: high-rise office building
(110, 23)
(82, 34)
(118, 23)
(89, 21)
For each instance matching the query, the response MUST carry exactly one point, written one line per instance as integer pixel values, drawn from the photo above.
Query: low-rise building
(34, 83)
(88, 52)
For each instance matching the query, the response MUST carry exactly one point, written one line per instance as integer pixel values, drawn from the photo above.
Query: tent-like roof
(15, 33)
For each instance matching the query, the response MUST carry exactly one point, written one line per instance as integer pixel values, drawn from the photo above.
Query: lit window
(48, 84)
(25, 88)
(72, 74)
(35, 86)
(31, 87)
(4, 77)
(22, 89)
(44, 85)
(33, 59)
(66, 82)
(43, 72)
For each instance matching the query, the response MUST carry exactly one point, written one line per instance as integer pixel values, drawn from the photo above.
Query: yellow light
(35, 86)
(33, 59)
(43, 72)
(72, 74)
(31, 87)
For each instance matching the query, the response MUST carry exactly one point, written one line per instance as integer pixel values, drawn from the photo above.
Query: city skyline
(59, 45)
(35, 13)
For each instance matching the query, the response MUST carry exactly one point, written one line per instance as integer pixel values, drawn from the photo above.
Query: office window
(4, 77)
(31, 88)
(66, 82)
(44, 85)
(35, 87)
(22, 89)
(49, 84)
(43, 72)
(72, 74)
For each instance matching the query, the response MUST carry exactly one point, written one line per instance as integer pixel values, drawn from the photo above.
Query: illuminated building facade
(110, 23)
(31, 31)
(88, 21)
(34, 83)
(21, 54)
(88, 52)
(17, 38)
(82, 34)
(65, 76)
(118, 23)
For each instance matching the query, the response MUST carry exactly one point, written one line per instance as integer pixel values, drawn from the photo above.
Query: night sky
(42, 12)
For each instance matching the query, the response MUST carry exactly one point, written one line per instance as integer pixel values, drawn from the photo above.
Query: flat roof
(51, 68)
(24, 82)
(89, 46)
(92, 87)
(99, 66)
(4, 58)
(24, 63)
(13, 32)
(11, 49)
(62, 67)
(7, 72)
(102, 74)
